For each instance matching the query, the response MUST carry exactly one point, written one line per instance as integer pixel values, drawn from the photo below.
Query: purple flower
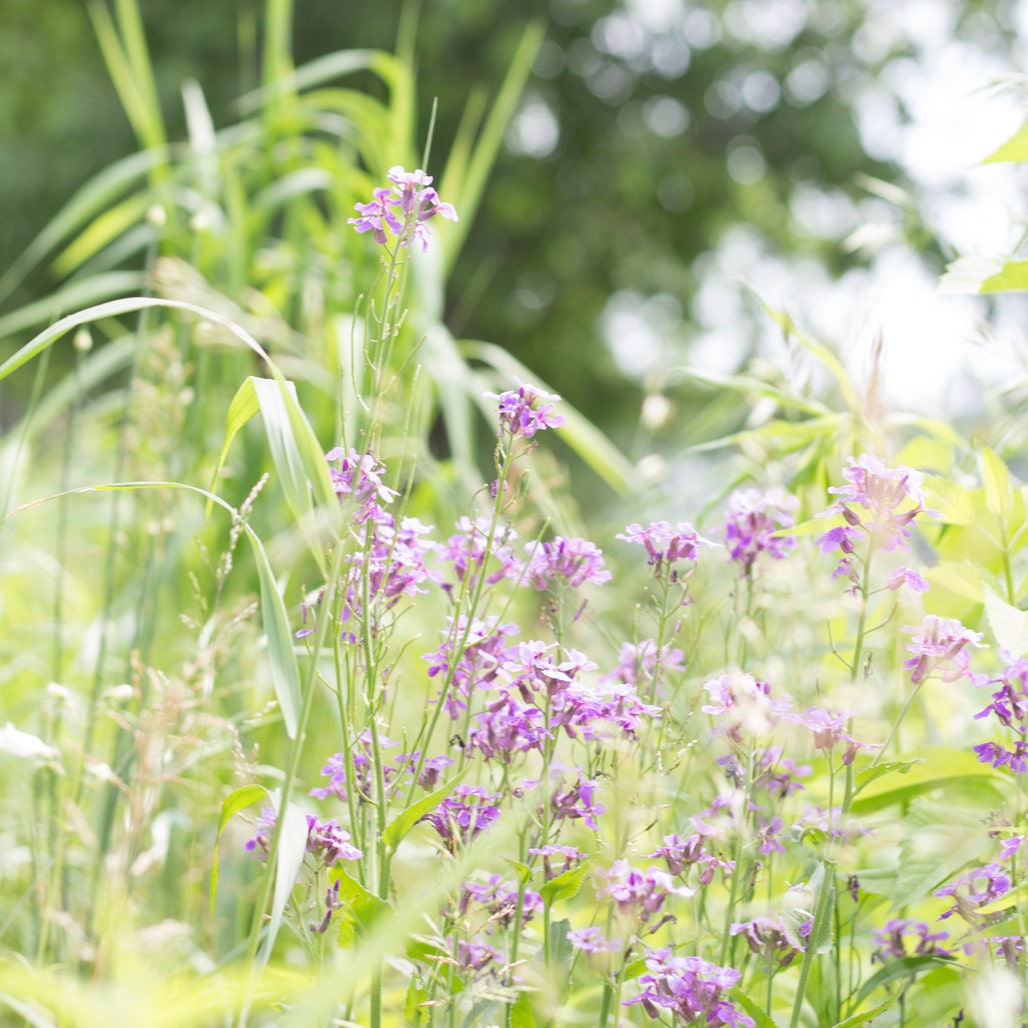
(779, 775)
(592, 940)
(743, 706)
(892, 944)
(666, 546)
(416, 201)
(471, 547)
(940, 650)
(911, 579)
(500, 898)
(767, 937)
(829, 730)
(637, 662)
(570, 854)
(830, 824)
(1010, 707)
(590, 712)
(571, 561)
(681, 854)
(360, 476)
(881, 502)
(578, 802)
(508, 727)
(327, 841)
(375, 216)
(690, 989)
(357, 763)
(638, 894)
(266, 821)
(976, 889)
(753, 519)
(526, 410)
(463, 815)
(475, 957)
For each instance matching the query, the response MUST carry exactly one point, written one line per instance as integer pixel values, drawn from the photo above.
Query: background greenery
(655, 106)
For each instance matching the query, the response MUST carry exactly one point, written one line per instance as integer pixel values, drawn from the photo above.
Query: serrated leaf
(938, 768)
(565, 885)
(363, 908)
(401, 825)
(871, 774)
(234, 802)
(1009, 625)
(997, 483)
(961, 578)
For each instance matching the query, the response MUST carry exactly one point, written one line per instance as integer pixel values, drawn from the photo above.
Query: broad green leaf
(752, 1008)
(564, 885)
(961, 579)
(363, 908)
(1014, 149)
(1009, 625)
(400, 826)
(997, 483)
(521, 1016)
(937, 768)
(903, 970)
(955, 502)
(871, 774)
(234, 802)
(1011, 899)
(285, 672)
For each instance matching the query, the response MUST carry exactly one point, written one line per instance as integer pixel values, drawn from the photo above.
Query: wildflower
(940, 648)
(638, 894)
(475, 956)
(592, 940)
(638, 662)
(666, 546)
(266, 821)
(463, 815)
(829, 730)
(526, 410)
(1010, 707)
(691, 989)
(578, 803)
(501, 900)
(976, 889)
(360, 476)
(744, 706)
(357, 763)
(779, 775)
(507, 727)
(892, 944)
(570, 854)
(473, 545)
(583, 710)
(572, 561)
(767, 936)
(753, 521)
(416, 201)
(329, 842)
(680, 854)
(532, 670)
(908, 577)
(478, 664)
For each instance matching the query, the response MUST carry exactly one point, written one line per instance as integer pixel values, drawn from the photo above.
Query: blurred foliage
(648, 130)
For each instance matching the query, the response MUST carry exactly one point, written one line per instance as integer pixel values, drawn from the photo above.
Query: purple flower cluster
(500, 899)
(526, 410)
(326, 840)
(940, 648)
(360, 476)
(480, 658)
(460, 817)
(570, 562)
(638, 895)
(666, 546)
(753, 526)
(411, 197)
(690, 989)
(892, 945)
(471, 546)
(879, 504)
(767, 937)
(637, 662)
(681, 854)
(976, 889)
(1010, 707)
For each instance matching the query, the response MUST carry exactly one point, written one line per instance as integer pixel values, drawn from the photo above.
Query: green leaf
(997, 483)
(285, 671)
(961, 578)
(938, 768)
(904, 969)
(752, 1008)
(865, 1016)
(521, 1016)
(984, 275)
(234, 802)
(1011, 899)
(1009, 625)
(243, 407)
(871, 774)
(1014, 149)
(564, 885)
(363, 908)
(401, 825)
